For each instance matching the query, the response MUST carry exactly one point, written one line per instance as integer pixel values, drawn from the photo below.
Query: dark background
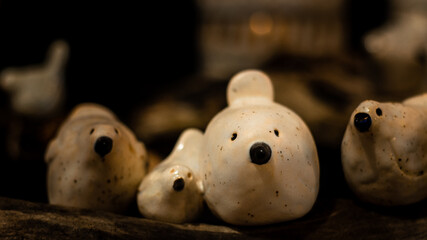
(122, 55)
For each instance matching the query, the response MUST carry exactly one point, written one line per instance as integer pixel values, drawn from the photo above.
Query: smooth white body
(241, 192)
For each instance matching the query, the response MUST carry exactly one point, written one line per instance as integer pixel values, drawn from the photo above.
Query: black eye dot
(178, 184)
(115, 130)
(92, 130)
(379, 111)
(234, 137)
(276, 132)
(362, 121)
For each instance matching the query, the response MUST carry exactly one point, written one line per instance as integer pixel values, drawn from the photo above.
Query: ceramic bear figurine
(384, 151)
(94, 161)
(259, 161)
(172, 192)
(38, 90)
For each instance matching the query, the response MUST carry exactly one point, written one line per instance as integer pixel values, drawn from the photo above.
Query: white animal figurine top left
(38, 91)
(259, 160)
(94, 162)
(173, 191)
(384, 151)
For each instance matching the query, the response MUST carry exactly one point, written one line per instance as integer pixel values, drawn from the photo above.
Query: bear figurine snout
(260, 153)
(103, 145)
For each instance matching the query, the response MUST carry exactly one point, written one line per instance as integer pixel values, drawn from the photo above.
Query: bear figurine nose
(362, 121)
(178, 184)
(260, 153)
(103, 145)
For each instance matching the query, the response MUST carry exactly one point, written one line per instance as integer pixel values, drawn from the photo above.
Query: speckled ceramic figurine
(384, 151)
(172, 192)
(38, 90)
(94, 161)
(259, 160)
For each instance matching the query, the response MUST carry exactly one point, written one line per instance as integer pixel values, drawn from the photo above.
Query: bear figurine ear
(249, 86)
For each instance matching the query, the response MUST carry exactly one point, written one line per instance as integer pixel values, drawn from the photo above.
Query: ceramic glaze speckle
(94, 162)
(384, 151)
(38, 90)
(259, 159)
(172, 192)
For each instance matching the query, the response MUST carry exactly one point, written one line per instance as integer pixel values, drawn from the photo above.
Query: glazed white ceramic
(172, 192)
(243, 185)
(384, 151)
(94, 162)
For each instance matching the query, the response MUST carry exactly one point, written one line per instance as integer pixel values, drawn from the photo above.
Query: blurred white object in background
(400, 46)
(38, 91)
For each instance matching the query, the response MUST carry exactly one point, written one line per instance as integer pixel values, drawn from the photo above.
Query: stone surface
(330, 219)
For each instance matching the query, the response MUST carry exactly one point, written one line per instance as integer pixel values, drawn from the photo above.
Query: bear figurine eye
(234, 136)
(178, 184)
(362, 121)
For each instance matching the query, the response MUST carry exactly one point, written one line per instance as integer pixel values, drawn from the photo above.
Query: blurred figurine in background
(36, 94)
(94, 162)
(38, 91)
(400, 48)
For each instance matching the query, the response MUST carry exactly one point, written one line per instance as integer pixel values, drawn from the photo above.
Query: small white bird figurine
(173, 191)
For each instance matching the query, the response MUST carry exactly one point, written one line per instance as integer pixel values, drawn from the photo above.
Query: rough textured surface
(330, 219)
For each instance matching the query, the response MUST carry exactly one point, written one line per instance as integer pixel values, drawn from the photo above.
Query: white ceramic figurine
(94, 162)
(38, 90)
(173, 191)
(259, 160)
(384, 151)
